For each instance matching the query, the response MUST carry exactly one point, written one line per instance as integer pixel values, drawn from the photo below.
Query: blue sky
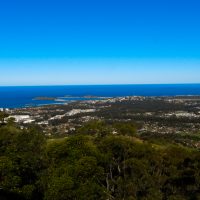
(47, 42)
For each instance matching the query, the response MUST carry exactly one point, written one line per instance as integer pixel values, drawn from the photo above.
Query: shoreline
(71, 99)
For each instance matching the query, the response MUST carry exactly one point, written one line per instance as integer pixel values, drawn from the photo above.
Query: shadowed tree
(3, 115)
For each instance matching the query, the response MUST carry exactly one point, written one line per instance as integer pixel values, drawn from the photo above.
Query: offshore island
(45, 98)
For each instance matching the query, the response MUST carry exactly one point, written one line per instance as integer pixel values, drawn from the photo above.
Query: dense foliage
(100, 161)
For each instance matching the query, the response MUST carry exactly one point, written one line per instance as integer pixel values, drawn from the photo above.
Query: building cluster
(66, 118)
(25, 119)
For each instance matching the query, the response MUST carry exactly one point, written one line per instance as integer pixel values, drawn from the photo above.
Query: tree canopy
(94, 163)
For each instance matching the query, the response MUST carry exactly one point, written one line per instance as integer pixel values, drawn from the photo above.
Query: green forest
(99, 161)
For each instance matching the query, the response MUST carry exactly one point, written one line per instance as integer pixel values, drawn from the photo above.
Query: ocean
(24, 96)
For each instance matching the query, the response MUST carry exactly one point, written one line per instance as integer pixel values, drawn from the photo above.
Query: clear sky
(50, 42)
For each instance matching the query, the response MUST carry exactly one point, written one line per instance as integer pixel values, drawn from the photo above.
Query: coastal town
(153, 115)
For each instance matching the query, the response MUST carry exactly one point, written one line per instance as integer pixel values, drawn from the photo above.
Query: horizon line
(114, 84)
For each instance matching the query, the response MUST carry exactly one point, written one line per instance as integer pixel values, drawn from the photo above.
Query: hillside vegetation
(99, 161)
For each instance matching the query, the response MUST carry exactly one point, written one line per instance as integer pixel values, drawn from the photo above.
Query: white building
(20, 118)
(77, 111)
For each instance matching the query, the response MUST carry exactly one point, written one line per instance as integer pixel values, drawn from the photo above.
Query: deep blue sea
(23, 96)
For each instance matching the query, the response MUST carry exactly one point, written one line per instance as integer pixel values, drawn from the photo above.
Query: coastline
(22, 96)
(48, 101)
